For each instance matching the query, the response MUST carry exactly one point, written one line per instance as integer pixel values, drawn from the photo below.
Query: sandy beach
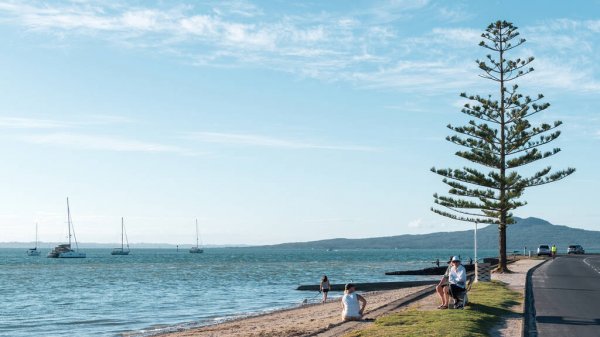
(313, 319)
(300, 321)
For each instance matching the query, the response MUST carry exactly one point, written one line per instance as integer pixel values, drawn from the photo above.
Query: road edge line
(529, 326)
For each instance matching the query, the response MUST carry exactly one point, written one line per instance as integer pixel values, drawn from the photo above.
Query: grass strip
(489, 302)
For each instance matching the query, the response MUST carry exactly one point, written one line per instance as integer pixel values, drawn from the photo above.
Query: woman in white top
(351, 309)
(324, 287)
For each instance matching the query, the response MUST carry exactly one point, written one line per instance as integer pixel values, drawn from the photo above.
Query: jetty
(429, 271)
(371, 286)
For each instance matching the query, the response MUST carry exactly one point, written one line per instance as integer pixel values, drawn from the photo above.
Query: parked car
(544, 250)
(575, 249)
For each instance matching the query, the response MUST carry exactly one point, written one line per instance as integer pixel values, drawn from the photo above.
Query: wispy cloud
(364, 47)
(266, 141)
(417, 223)
(42, 123)
(31, 123)
(101, 142)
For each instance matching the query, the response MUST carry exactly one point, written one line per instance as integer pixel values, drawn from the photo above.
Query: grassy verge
(489, 301)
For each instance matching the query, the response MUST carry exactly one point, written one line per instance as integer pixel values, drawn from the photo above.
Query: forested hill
(529, 232)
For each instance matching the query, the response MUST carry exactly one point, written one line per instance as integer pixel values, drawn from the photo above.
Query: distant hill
(529, 232)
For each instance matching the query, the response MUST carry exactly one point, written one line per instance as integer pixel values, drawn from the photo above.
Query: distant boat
(196, 249)
(34, 251)
(121, 251)
(64, 250)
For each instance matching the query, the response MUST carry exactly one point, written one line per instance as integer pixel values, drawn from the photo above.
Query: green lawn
(489, 301)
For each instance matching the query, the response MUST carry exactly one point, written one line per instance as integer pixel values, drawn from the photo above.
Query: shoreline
(314, 319)
(299, 320)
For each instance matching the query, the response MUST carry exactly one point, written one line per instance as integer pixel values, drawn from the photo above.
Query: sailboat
(34, 251)
(196, 249)
(64, 250)
(121, 251)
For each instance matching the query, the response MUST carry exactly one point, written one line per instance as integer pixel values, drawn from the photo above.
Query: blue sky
(270, 121)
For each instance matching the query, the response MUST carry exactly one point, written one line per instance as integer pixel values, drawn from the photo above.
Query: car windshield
(543, 246)
(572, 246)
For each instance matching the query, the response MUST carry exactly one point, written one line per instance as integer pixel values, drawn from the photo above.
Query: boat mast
(36, 239)
(197, 233)
(121, 233)
(69, 221)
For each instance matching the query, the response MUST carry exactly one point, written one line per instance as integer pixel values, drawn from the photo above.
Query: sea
(153, 291)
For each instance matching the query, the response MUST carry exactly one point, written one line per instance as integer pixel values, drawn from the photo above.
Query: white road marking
(596, 269)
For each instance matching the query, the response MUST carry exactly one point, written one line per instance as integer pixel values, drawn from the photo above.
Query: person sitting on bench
(458, 282)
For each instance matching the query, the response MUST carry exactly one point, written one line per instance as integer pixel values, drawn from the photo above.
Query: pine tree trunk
(502, 249)
(503, 197)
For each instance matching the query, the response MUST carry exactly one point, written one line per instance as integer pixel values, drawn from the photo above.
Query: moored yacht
(197, 248)
(121, 251)
(64, 250)
(34, 251)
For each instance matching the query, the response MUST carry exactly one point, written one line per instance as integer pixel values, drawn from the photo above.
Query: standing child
(324, 287)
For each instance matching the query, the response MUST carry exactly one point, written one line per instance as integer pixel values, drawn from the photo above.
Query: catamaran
(34, 251)
(64, 250)
(121, 251)
(196, 249)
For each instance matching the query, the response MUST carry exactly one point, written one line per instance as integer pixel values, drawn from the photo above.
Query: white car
(544, 250)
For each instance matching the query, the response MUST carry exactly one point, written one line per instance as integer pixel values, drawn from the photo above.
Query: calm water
(157, 290)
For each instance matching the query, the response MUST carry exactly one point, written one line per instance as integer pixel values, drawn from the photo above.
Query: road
(566, 294)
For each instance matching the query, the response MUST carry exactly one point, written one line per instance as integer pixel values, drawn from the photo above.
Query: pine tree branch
(554, 177)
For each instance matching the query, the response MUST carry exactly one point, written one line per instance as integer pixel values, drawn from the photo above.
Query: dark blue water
(156, 290)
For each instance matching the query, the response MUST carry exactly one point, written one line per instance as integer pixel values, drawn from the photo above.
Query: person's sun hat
(455, 259)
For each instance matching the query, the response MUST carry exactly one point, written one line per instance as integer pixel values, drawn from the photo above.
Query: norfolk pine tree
(500, 138)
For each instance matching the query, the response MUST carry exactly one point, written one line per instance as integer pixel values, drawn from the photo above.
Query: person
(324, 287)
(457, 277)
(442, 288)
(351, 309)
(553, 251)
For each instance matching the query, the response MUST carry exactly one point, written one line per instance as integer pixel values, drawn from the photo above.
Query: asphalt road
(566, 294)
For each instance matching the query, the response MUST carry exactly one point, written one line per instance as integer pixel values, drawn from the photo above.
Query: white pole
(475, 247)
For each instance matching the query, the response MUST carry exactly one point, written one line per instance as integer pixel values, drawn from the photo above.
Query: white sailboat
(64, 250)
(34, 251)
(121, 251)
(196, 249)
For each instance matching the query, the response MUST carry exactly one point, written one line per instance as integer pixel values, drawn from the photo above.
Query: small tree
(499, 137)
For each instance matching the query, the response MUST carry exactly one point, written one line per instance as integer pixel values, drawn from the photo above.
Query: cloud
(265, 141)
(557, 74)
(366, 47)
(417, 223)
(31, 123)
(40, 123)
(101, 142)
(418, 75)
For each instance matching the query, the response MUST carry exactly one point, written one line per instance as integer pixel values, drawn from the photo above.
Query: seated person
(351, 310)
(458, 281)
(442, 287)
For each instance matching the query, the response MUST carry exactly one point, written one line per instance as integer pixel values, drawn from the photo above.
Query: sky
(271, 121)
